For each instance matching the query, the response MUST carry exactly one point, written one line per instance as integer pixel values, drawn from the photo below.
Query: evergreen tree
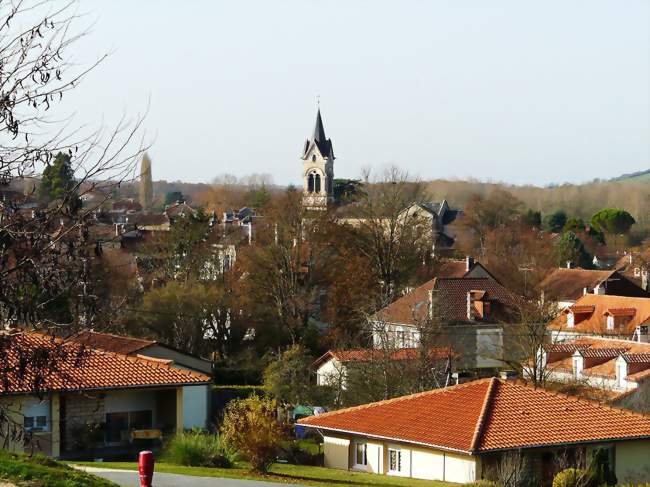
(554, 222)
(569, 248)
(58, 178)
(146, 185)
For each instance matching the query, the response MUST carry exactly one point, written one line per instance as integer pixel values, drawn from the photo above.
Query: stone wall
(82, 414)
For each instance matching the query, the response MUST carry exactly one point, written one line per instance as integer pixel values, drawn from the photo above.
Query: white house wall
(336, 452)
(417, 462)
(330, 372)
(375, 457)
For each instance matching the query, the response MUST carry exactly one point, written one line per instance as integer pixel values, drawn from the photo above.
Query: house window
(637, 272)
(118, 424)
(360, 459)
(394, 460)
(35, 423)
(610, 322)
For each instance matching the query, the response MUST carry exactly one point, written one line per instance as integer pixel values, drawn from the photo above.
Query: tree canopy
(613, 221)
(569, 248)
(554, 222)
(58, 180)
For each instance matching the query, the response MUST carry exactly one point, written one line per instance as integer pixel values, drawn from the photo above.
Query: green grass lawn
(39, 471)
(317, 476)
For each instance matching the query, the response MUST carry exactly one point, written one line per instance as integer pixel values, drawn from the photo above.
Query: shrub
(570, 477)
(295, 452)
(250, 425)
(196, 449)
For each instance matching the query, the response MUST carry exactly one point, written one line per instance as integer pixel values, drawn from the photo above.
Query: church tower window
(310, 183)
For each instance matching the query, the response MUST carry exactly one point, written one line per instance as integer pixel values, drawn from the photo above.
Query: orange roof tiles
(577, 309)
(596, 322)
(594, 347)
(620, 311)
(485, 415)
(73, 367)
(594, 352)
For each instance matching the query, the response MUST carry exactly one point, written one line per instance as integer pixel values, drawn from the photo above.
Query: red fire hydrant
(145, 468)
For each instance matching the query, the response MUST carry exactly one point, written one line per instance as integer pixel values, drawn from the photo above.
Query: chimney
(469, 263)
(509, 375)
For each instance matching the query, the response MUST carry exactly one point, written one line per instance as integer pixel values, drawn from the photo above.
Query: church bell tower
(317, 169)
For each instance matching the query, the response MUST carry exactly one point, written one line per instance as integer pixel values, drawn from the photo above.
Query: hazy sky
(513, 90)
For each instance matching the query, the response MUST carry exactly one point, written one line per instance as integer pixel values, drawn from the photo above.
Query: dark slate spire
(319, 138)
(319, 130)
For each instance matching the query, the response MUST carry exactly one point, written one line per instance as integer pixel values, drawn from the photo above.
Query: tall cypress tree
(146, 185)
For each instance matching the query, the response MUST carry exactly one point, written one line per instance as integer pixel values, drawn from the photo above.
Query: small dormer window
(313, 158)
(610, 322)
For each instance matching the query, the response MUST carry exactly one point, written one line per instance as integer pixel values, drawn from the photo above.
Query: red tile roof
(620, 311)
(594, 347)
(581, 309)
(593, 352)
(596, 323)
(74, 367)
(450, 295)
(637, 358)
(485, 415)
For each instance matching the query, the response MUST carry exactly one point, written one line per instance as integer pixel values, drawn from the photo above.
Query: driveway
(129, 478)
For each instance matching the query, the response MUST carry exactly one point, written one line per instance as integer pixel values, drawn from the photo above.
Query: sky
(519, 91)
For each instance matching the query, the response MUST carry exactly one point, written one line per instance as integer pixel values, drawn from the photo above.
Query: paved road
(128, 478)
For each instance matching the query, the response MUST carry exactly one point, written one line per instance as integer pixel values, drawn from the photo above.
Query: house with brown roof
(635, 266)
(463, 433)
(196, 399)
(69, 400)
(469, 314)
(567, 285)
(603, 315)
(618, 368)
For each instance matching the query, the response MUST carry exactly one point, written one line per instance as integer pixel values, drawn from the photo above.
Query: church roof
(318, 137)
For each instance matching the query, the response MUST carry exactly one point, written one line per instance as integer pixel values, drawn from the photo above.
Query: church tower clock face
(317, 168)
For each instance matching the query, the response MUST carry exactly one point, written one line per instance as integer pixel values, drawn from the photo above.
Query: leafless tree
(526, 340)
(46, 249)
(392, 238)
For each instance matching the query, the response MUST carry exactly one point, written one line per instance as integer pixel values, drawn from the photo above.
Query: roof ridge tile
(478, 431)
